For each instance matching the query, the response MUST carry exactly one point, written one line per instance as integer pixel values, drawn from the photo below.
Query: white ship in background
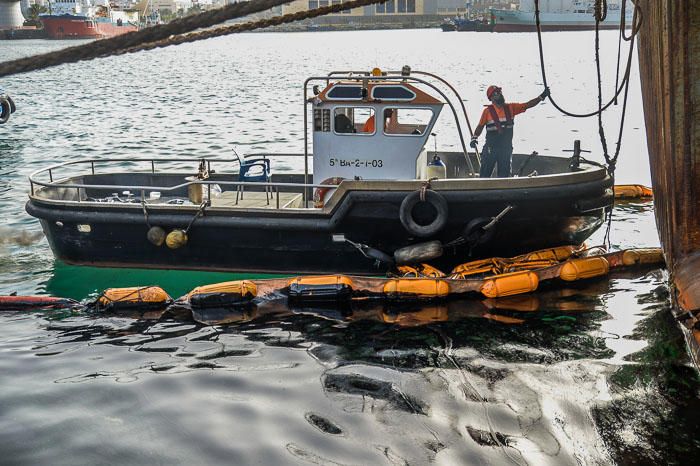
(558, 15)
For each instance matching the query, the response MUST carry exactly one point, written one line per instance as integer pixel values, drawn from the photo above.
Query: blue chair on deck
(255, 169)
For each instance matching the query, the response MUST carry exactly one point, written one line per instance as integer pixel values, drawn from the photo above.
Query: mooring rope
(635, 29)
(173, 33)
(107, 47)
(253, 25)
(600, 13)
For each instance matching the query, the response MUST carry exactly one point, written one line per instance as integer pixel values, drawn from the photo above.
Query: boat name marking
(359, 163)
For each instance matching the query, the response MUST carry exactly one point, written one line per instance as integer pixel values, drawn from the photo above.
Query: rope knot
(423, 188)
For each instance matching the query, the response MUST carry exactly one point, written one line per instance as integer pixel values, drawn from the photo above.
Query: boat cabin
(372, 130)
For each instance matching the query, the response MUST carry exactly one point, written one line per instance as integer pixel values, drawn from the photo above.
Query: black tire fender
(406, 213)
(5, 110)
(13, 107)
(475, 233)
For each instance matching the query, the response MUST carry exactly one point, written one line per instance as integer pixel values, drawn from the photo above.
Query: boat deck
(257, 200)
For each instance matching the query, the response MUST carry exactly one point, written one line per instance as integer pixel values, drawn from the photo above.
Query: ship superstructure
(557, 15)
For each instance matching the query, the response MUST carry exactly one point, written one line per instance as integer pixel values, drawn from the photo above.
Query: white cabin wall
(370, 157)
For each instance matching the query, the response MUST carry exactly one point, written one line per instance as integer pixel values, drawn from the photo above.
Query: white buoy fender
(417, 253)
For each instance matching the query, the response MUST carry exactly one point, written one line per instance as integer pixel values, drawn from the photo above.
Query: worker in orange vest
(368, 127)
(498, 120)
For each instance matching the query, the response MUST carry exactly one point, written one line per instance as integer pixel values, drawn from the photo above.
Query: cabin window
(406, 121)
(354, 120)
(344, 92)
(396, 93)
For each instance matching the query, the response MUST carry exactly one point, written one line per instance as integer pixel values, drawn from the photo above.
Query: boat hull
(297, 242)
(82, 27)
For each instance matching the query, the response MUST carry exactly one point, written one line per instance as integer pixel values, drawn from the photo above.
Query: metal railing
(239, 186)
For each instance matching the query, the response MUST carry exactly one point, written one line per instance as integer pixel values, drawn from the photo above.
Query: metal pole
(306, 144)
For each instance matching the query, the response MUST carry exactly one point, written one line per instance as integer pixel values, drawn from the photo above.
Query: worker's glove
(545, 93)
(473, 143)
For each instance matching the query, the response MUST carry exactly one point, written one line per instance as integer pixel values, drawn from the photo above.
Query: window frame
(338, 86)
(391, 135)
(389, 99)
(333, 115)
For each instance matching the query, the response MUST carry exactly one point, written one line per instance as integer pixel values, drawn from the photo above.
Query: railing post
(92, 166)
(153, 166)
(277, 190)
(50, 176)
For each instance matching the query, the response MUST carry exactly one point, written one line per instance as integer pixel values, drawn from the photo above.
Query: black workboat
(376, 195)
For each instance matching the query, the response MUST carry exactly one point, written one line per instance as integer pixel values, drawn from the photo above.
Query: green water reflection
(81, 282)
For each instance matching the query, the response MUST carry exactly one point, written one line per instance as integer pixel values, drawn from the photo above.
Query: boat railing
(240, 187)
(51, 169)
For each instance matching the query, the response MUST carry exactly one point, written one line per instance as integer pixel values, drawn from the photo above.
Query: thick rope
(107, 47)
(601, 11)
(156, 37)
(250, 26)
(618, 91)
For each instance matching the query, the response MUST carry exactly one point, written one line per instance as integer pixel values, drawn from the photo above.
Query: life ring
(5, 110)
(320, 193)
(406, 213)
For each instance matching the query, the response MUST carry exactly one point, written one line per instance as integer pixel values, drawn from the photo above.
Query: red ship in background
(77, 20)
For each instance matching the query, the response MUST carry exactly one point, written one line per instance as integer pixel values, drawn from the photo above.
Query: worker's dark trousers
(497, 152)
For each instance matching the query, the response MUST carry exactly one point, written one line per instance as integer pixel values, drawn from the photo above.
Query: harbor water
(594, 373)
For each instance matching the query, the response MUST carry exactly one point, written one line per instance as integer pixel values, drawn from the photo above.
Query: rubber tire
(5, 110)
(13, 107)
(474, 232)
(406, 214)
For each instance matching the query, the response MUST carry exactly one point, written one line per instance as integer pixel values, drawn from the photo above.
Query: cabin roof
(377, 91)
